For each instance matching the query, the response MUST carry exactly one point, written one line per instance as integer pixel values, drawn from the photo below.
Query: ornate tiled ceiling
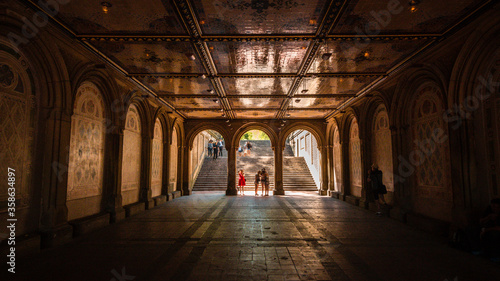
(256, 59)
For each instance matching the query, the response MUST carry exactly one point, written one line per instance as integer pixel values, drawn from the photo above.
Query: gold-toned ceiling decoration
(256, 59)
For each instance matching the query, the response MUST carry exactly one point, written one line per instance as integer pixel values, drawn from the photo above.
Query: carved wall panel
(131, 166)
(355, 159)
(173, 162)
(430, 155)
(157, 160)
(86, 153)
(17, 123)
(382, 146)
(337, 159)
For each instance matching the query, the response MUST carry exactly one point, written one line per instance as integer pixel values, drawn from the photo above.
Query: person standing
(265, 182)
(257, 181)
(215, 151)
(248, 146)
(378, 188)
(241, 182)
(210, 148)
(220, 144)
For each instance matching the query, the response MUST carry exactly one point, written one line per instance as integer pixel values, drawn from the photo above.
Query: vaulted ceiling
(257, 59)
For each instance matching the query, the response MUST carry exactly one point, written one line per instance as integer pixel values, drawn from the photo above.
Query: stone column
(278, 170)
(185, 169)
(54, 214)
(331, 172)
(231, 171)
(323, 189)
(345, 169)
(113, 174)
(166, 168)
(145, 194)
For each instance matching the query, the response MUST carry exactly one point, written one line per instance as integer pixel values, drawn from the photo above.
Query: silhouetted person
(490, 230)
(378, 188)
(216, 151)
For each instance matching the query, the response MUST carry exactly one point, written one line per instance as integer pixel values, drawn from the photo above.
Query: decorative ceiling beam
(192, 26)
(257, 75)
(252, 38)
(330, 19)
(174, 96)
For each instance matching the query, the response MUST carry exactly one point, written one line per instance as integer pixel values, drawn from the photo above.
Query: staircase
(212, 175)
(296, 174)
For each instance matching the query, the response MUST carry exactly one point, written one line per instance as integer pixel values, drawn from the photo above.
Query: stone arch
(355, 161)
(18, 120)
(43, 57)
(132, 153)
(429, 156)
(107, 87)
(474, 88)
(381, 145)
(337, 158)
(176, 143)
(235, 142)
(157, 158)
(405, 93)
(316, 132)
(86, 153)
(191, 135)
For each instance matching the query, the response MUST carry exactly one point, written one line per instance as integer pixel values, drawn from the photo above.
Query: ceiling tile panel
(306, 114)
(171, 57)
(258, 57)
(385, 17)
(199, 114)
(363, 56)
(257, 86)
(259, 16)
(334, 85)
(331, 103)
(268, 103)
(179, 86)
(89, 17)
(255, 114)
(193, 103)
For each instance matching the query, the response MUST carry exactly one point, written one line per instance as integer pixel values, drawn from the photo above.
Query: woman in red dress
(241, 182)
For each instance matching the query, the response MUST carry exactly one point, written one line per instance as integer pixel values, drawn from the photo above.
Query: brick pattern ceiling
(260, 58)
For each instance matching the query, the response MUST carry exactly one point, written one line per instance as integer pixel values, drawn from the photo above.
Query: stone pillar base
(278, 192)
(117, 215)
(150, 204)
(323, 192)
(231, 191)
(56, 236)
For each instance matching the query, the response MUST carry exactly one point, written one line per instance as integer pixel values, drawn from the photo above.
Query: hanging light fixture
(413, 5)
(304, 89)
(106, 6)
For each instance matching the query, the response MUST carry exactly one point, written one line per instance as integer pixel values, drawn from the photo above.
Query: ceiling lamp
(203, 76)
(191, 56)
(288, 115)
(297, 100)
(227, 121)
(216, 100)
(106, 6)
(326, 56)
(304, 91)
(210, 91)
(413, 5)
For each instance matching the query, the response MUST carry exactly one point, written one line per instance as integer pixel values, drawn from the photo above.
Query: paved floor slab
(301, 236)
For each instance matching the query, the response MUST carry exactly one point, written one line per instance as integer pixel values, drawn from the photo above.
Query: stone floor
(301, 236)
